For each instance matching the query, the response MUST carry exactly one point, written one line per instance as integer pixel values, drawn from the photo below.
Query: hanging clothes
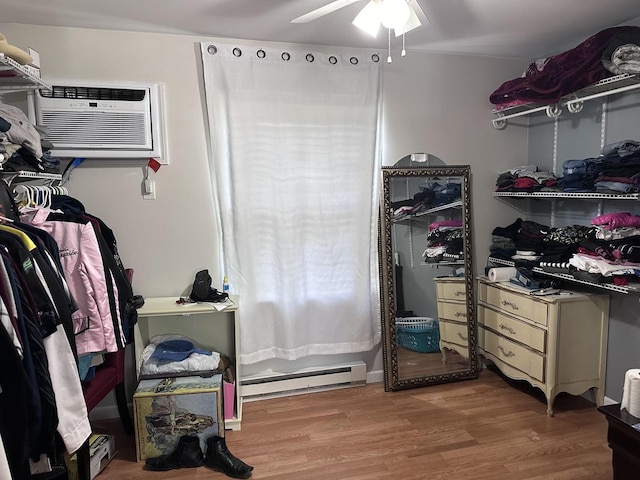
(14, 400)
(127, 301)
(84, 270)
(64, 296)
(47, 372)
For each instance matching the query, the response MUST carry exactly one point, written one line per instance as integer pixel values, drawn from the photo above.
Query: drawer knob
(462, 336)
(461, 314)
(507, 328)
(508, 354)
(459, 293)
(506, 303)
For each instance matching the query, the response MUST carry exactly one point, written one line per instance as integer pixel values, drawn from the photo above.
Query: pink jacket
(84, 271)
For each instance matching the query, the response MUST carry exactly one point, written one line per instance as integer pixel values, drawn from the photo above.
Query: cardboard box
(167, 408)
(102, 448)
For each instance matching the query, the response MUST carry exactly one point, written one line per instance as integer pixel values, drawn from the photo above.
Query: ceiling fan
(400, 15)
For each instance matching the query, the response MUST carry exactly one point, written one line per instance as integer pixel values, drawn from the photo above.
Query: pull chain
(389, 56)
(404, 52)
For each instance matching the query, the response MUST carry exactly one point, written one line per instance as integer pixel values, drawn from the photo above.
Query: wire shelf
(570, 278)
(573, 102)
(444, 263)
(11, 177)
(582, 196)
(16, 77)
(417, 216)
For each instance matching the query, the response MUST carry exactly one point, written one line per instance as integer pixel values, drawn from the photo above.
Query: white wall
(439, 104)
(168, 239)
(432, 103)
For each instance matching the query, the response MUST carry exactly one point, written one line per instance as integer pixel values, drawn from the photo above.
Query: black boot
(220, 458)
(187, 454)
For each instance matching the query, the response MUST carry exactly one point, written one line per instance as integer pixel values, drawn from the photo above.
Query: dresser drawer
(454, 332)
(514, 303)
(452, 288)
(512, 328)
(452, 311)
(531, 363)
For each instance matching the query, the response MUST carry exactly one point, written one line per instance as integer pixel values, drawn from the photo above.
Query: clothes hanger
(20, 194)
(30, 199)
(26, 198)
(46, 197)
(37, 194)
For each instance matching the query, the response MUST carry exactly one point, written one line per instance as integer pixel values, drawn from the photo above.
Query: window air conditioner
(103, 120)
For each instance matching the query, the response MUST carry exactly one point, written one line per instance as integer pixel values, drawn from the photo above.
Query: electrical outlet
(149, 188)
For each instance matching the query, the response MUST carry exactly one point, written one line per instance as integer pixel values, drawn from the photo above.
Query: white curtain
(294, 166)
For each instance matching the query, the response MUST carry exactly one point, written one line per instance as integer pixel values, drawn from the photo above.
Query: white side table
(215, 330)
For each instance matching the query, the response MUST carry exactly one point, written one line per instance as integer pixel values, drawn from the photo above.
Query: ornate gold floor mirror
(429, 327)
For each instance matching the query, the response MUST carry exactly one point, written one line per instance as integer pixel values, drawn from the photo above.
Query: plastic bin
(419, 334)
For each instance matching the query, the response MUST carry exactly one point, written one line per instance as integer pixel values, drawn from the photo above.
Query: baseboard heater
(305, 380)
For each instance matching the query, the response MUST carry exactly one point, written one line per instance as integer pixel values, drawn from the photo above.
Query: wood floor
(415, 364)
(489, 428)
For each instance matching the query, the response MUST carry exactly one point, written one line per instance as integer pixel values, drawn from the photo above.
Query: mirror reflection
(429, 330)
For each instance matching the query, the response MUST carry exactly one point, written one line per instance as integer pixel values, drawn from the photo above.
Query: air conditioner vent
(103, 120)
(97, 129)
(94, 93)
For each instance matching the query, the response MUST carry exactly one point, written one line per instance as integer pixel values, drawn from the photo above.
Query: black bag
(201, 290)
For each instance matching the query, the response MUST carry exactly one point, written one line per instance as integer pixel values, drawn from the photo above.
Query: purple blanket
(562, 74)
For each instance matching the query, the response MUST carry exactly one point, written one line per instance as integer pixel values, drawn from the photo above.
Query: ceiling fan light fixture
(397, 15)
(413, 22)
(394, 13)
(368, 20)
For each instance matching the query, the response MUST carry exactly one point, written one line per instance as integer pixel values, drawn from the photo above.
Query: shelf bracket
(553, 111)
(501, 122)
(574, 104)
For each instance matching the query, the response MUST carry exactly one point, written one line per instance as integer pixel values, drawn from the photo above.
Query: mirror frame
(392, 382)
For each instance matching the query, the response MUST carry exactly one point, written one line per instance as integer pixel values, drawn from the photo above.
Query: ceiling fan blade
(368, 20)
(322, 11)
(415, 6)
(413, 22)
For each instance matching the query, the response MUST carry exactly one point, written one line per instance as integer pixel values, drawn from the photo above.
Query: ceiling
(525, 29)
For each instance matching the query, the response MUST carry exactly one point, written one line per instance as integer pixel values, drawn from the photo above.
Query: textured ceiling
(506, 28)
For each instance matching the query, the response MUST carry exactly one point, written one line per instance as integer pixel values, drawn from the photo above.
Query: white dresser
(557, 343)
(451, 294)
